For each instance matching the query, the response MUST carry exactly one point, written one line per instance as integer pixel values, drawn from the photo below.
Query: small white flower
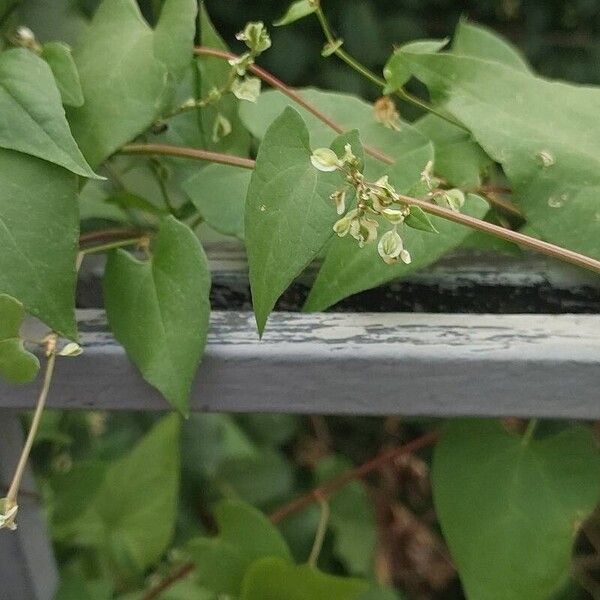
(8, 517)
(241, 63)
(348, 157)
(343, 225)
(71, 350)
(255, 36)
(325, 159)
(246, 89)
(25, 35)
(390, 246)
(364, 230)
(546, 158)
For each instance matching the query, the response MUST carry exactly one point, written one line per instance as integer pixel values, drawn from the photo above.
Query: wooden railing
(377, 363)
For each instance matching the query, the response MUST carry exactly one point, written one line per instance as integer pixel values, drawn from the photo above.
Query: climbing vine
(298, 176)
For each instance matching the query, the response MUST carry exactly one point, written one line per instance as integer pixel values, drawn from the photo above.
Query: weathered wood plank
(27, 567)
(383, 364)
(465, 281)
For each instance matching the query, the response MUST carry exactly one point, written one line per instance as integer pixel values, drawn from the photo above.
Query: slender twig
(529, 432)
(521, 239)
(195, 153)
(374, 78)
(297, 98)
(112, 246)
(109, 234)
(13, 490)
(317, 495)
(336, 484)
(321, 532)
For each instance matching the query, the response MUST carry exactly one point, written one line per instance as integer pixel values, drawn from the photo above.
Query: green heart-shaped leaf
(289, 213)
(510, 508)
(159, 309)
(276, 579)
(245, 535)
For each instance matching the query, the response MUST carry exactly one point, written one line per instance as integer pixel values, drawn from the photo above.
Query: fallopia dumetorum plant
(105, 149)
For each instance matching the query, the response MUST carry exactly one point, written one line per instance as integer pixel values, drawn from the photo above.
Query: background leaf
(137, 504)
(32, 119)
(549, 153)
(17, 365)
(39, 238)
(127, 90)
(245, 535)
(352, 518)
(59, 58)
(274, 579)
(509, 510)
(159, 309)
(214, 73)
(219, 194)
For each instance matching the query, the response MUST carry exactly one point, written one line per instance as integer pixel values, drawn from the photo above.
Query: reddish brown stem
(506, 234)
(334, 485)
(521, 239)
(295, 96)
(316, 495)
(276, 83)
(195, 153)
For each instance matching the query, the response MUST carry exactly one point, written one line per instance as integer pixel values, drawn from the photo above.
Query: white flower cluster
(257, 39)
(8, 515)
(372, 199)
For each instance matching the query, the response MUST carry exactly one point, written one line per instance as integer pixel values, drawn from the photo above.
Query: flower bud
(339, 197)
(221, 128)
(71, 350)
(387, 114)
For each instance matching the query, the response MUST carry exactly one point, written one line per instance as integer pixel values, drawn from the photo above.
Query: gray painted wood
(363, 364)
(27, 567)
(465, 281)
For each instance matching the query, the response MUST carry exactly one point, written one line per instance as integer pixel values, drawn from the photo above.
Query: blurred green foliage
(561, 39)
